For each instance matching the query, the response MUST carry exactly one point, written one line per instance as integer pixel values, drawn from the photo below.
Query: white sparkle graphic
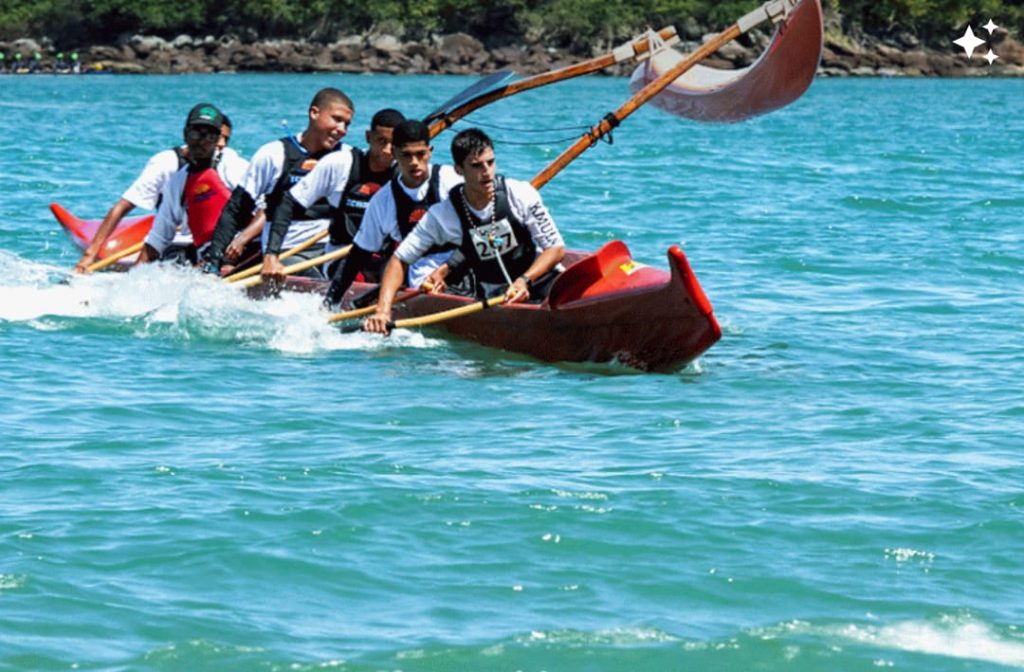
(969, 41)
(991, 56)
(990, 27)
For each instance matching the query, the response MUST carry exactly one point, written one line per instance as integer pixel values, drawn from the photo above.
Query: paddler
(509, 241)
(395, 210)
(347, 180)
(275, 168)
(144, 192)
(197, 193)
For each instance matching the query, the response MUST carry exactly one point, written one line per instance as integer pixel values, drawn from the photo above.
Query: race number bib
(491, 240)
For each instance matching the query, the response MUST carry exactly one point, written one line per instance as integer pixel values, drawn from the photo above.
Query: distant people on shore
(63, 64)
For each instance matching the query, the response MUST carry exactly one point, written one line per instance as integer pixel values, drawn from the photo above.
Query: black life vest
(360, 187)
(483, 241)
(298, 163)
(410, 212)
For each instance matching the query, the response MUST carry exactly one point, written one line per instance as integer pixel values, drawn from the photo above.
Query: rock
(863, 71)
(182, 41)
(690, 30)
(385, 43)
(346, 53)
(841, 44)
(120, 67)
(144, 45)
(103, 54)
(832, 72)
(349, 41)
(737, 54)
(907, 40)
(460, 45)
(26, 46)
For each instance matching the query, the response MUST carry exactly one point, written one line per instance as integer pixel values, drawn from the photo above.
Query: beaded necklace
(490, 232)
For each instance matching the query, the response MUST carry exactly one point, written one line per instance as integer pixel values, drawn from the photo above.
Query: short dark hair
(330, 95)
(388, 118)
(469, 143)
(410, 131)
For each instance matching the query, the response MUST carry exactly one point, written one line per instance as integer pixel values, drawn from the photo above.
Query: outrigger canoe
(779, 76)
(130, 231)
(605, 307)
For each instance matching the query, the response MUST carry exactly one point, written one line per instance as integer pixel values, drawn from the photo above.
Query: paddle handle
(304, 245)
(775, 10)
(301, 266)
(114, 258)
(638, 48)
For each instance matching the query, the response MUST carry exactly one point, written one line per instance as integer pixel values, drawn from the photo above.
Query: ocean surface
(191, 480)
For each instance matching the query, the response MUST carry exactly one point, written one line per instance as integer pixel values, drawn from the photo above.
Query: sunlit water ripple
(193, 480)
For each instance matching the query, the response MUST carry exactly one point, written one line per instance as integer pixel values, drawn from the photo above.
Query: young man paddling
(143, 193)
(198, 191)
(395, 210)
(502, 229)
(346, 181)
(275, 168)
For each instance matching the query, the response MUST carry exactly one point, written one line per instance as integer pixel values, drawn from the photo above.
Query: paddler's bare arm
(394, 276)
(107, 226)
(255, 228)
(545, 261)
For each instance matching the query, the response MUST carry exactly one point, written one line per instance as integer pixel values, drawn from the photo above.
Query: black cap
(205, 114)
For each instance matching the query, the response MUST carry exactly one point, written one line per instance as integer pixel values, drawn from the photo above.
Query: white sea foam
(955, 637)
(183, 303)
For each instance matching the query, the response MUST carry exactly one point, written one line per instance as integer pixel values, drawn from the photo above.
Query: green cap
(60, 54)
(74, 55)
(17, 54)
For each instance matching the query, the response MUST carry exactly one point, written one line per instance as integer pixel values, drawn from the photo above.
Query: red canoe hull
(647, 318)
(130, 231)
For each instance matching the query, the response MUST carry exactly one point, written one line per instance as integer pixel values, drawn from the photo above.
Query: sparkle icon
(990, 27)
(991, 56)
(969, 41)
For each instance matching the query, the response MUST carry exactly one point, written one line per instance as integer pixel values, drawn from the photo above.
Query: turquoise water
(193, 480)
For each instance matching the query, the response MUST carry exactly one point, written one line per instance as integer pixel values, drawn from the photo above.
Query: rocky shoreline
(460, 53)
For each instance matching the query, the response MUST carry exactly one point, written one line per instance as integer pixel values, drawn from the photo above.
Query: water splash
(181, 304)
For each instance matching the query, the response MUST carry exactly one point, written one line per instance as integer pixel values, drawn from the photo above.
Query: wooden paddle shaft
(642, 96)
(368, 310)
(635, 49)
(775, 10)
(446, 315)
(304, 245)
(114, 258)
(301, 266)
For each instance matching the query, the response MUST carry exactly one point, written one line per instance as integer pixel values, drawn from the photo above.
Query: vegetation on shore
(578, 25)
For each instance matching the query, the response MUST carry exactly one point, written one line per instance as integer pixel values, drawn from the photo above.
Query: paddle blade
(478, 88)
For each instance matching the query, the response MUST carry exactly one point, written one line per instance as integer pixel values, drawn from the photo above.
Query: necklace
(490, 230)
